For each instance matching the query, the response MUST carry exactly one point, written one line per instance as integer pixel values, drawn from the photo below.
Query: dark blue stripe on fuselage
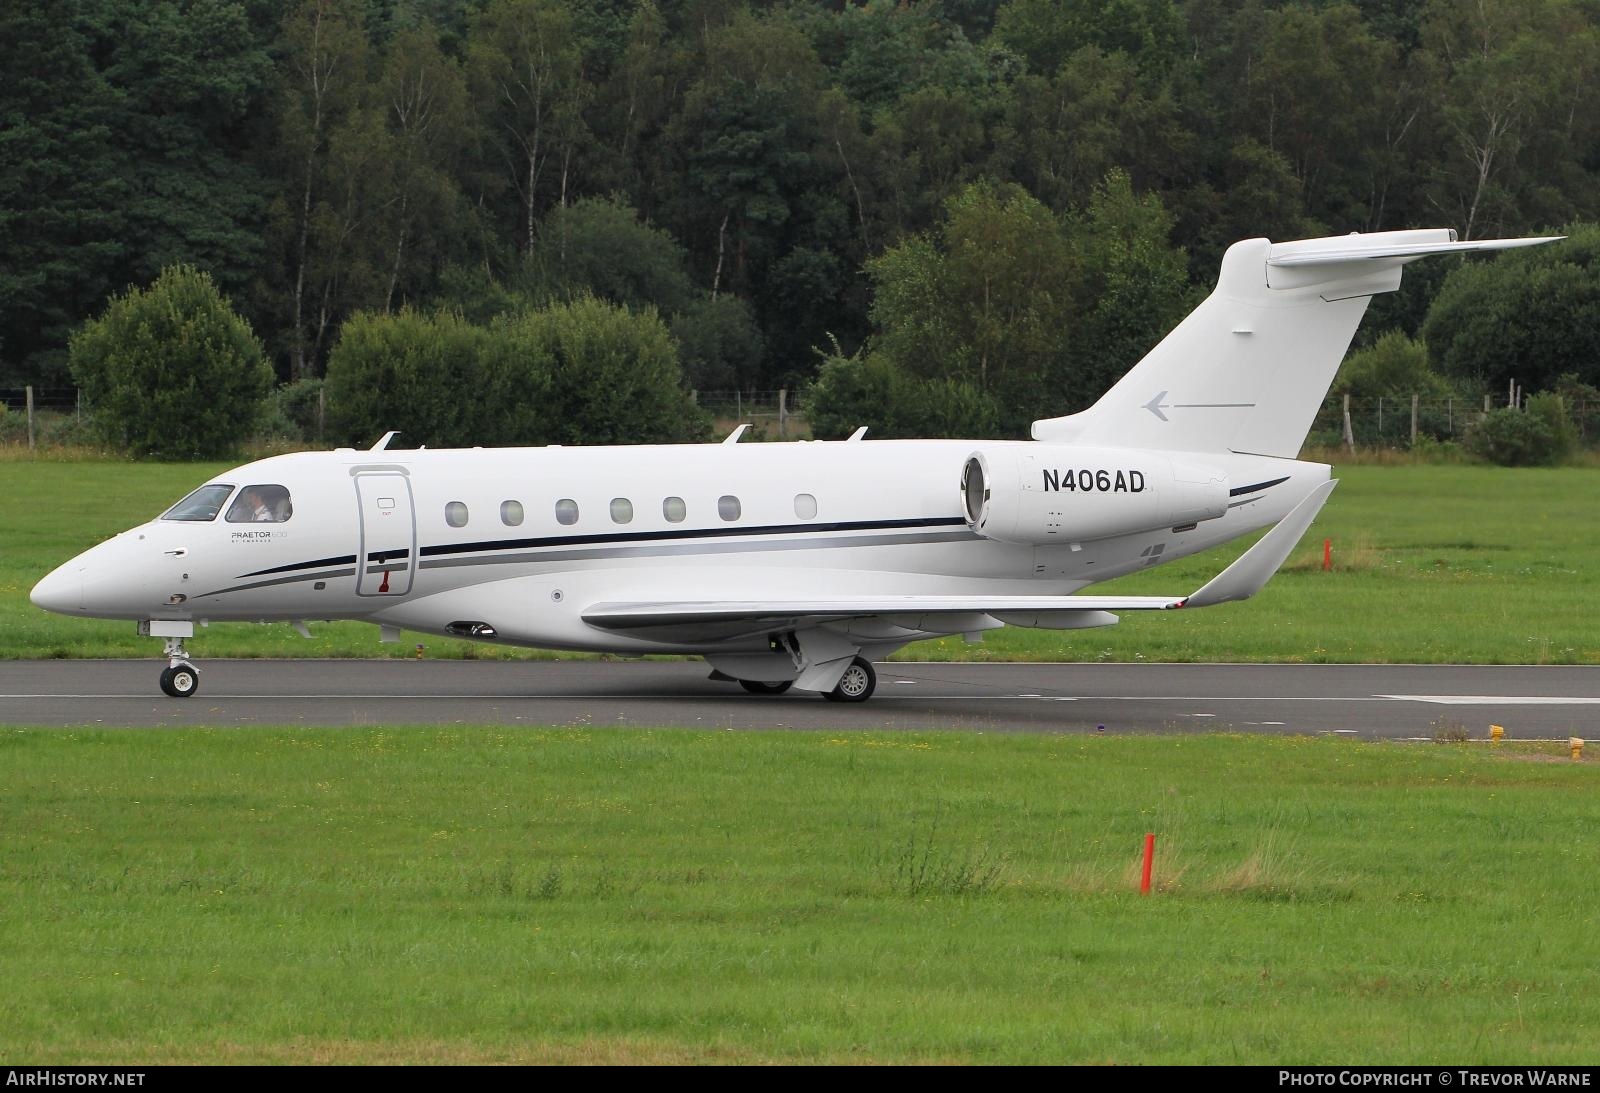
(1235, 492)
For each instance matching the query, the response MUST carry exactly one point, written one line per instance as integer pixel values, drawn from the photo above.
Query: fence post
(1450, 416)
(738, 405)
(1486, 404)
(783, 412)
(1380, 420)
(1414, 401)
(322, 410)
(30, 417)
(1349, 433)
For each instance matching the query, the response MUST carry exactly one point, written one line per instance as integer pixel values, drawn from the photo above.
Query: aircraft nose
(60, 591)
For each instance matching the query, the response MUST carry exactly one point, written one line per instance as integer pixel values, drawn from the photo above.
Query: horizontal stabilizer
(1303, 254)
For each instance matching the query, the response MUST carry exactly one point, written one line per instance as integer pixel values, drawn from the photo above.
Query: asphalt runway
(1368, 701)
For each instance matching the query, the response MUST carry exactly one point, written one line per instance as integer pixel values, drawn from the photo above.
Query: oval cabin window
(728, 507)
(511, 513)
(674, 510)
(566, 511)
(455, 514)
(805, 506)
(621, 510)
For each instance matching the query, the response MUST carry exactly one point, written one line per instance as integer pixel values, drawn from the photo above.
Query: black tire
(180, 682)
(762, 687)
(857, 683)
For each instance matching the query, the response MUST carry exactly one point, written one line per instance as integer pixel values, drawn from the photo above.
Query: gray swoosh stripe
(298, 577)
(674, 550)
(663, 550)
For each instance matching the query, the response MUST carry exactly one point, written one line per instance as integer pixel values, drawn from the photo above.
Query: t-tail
(1248, 369)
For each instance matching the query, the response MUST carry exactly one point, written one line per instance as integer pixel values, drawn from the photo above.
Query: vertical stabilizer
(1247, 370)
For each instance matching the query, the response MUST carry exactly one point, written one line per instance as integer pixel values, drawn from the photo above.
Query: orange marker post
(1327, 555)
(1149, 860)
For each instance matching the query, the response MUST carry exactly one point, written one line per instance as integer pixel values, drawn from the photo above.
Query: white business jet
(789, 565)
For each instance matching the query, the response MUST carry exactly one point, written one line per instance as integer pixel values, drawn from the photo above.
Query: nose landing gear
(180, 678)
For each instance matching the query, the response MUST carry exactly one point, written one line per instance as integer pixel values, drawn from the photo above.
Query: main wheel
(180, 681)
(857, 683)
(762, 687)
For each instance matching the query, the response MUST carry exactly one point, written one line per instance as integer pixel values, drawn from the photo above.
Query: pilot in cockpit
(260, 505)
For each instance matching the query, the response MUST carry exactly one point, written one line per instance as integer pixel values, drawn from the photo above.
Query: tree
(525, 64)
(324, 74)
(986, 299)
(420, 374)
(1135, 289)
(424, 98)
(171, 371)
(869, 389)
(1528, 316)
(1395, 366)
(614, 374)
(599, 247)
(61, 195)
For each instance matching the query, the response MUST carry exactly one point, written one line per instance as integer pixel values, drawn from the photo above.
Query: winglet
(1255, 567)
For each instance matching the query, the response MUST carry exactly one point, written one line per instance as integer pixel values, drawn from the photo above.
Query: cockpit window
(261, 505)
(203, 504)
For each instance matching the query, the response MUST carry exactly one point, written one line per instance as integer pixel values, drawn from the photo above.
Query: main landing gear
(856, 685)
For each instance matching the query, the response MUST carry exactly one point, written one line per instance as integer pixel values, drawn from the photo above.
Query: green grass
(1432, 563)
(477, 894)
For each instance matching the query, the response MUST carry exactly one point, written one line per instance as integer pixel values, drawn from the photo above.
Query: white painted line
(1495, 700)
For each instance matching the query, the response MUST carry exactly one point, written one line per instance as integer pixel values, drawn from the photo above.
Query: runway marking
(1495, 700)
(1446, 700)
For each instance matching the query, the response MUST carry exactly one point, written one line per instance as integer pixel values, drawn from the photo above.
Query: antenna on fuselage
(383, 442)
(857, 435)
(733, 437)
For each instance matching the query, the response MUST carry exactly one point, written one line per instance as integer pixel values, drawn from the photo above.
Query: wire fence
(772, 411)
(1400, 422)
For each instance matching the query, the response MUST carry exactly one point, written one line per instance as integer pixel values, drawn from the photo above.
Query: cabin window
(805, 506)
(511, 513)
(455, 514)
(566, 511)
(260, 505)
(621, 510)
(201, 505)
(674, 510)
(728, 507)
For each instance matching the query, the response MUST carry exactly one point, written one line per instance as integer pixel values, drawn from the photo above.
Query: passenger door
(386, 561)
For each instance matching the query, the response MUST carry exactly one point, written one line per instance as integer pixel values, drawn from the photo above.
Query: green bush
(1541, 435)
(587, 372)
(171, 371)
(867, 389)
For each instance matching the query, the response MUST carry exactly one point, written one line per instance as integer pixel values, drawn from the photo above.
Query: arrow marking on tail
(1155, 406)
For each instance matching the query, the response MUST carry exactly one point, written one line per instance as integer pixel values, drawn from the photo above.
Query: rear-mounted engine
(1047, 494)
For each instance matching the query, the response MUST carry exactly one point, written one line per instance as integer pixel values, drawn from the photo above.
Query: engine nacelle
(1047, 494)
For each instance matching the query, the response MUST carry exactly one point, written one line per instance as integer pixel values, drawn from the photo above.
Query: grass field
(478, 894)
(1432, 563)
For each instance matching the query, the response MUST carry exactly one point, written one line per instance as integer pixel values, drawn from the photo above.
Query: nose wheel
(179, 679)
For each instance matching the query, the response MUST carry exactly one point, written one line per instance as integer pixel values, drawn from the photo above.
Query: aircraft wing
(727, 619)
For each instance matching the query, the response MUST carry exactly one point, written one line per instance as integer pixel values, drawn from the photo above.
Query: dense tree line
(996, 203)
